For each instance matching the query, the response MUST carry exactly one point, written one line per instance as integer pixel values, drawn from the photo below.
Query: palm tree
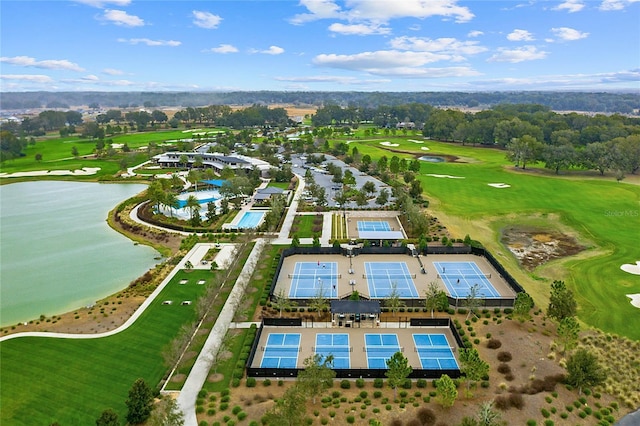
(171, 201)
(193, 205)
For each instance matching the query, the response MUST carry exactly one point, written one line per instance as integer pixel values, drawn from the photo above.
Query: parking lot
(324, 179)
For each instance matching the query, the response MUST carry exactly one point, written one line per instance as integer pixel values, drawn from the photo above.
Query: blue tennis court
(379, 348)
(375, 226)
(459, 277)
(281, 350)
(335, 344)
(383, 276)
(310, 278)
(434, 352)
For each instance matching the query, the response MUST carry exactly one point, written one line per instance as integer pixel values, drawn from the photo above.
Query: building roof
(355, 307)
(380, 235)
(270, 190)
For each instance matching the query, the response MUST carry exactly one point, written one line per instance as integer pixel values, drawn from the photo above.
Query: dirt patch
(215, 377)
(534, 247)
(179, 378)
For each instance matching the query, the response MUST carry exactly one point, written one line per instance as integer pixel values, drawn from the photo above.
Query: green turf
(78, 379)
(304, 225)
(584, 204)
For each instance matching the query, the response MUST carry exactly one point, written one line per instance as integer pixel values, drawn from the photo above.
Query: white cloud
(570, 6)
(608, 5)
(525, 53)
(102, 3)
(475, 33)
(112, 71)
(520, 35)
(206, 19)
(120, 17)
(272, 50)
(449, 46)
(223, 48)
(392, 63)
(332, 79)
(149, 42)
(381, 11)
(51, 64)
(359, 29)
(568, 34)
(30, 78)
(573, 81)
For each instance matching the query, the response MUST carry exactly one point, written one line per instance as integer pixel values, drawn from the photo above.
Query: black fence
(502, 302)
(347, 373)
(283, 322)
(351, 373)
(439, 322)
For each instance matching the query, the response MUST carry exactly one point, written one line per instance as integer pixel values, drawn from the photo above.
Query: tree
(472, 367)
(383, 197)
(281, 302)
(522, 306)
(568, 333)
(432, 297)
(108, 418)
(288, 410)
(584, 370)
(192, 204)
(38, 157)
(559, 157)
(524, 150)
(317, 376)
(562, 303)
(446, 391)
(319, 302)
(473, 300)
(398, 369)
(393, 301)
(139, 403)
(166, 413)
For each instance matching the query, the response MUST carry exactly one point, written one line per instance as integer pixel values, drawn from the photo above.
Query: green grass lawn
(281, 185)
(583, 204)
(304, 225)
(78, 379)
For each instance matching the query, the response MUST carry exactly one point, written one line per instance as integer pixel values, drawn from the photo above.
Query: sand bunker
(635, 299)
(415, 141)
(389, 144)
(499, 185)
(446, 176)
(85, 171)
(424, 148)
(631, 268)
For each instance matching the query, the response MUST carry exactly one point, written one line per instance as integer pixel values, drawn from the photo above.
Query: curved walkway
(124, 326)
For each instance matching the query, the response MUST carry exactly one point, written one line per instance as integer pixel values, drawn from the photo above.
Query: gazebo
(349, 313)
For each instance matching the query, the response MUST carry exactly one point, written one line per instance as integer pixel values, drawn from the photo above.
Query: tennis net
(315, 276)
(388, 276)
(451, 277)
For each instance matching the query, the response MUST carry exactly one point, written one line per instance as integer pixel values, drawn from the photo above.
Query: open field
(78, 379)
(603, 213)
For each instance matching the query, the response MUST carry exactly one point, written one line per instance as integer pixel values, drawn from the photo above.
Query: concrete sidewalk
(200, 371)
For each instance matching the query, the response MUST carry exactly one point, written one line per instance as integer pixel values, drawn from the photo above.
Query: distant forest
(601, 102)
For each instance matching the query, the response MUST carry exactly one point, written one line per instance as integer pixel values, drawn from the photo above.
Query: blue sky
(354, 45)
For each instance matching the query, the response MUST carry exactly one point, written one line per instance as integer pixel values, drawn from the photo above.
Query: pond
(432, 159)
(58, 252)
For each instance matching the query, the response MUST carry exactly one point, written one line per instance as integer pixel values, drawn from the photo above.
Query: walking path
(200, 371)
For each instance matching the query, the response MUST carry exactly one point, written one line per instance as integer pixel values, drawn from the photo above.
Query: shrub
(545, 413)
(548, 423)
(235, 382)
(242, 415)
(516, 400)
(504, 369)
(531, 422)
(266, 382)
(504, 356)
(364, 394)
(360, 383)
(388, 407)
(378, 383)
(224, 406)
(564, 415)
(251, 382)
(494, 343)
(351, 420)
(407, 384)
(335, 394)
(345, 384)
(377, 394)
(426, 416)
(548, 399)
(236, 409)
(421, 383)
(501, 402)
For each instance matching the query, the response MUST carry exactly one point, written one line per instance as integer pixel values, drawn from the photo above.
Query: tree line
(624, 103)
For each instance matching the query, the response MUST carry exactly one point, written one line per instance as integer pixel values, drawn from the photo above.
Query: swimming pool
(203, 197)
(250, 219)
